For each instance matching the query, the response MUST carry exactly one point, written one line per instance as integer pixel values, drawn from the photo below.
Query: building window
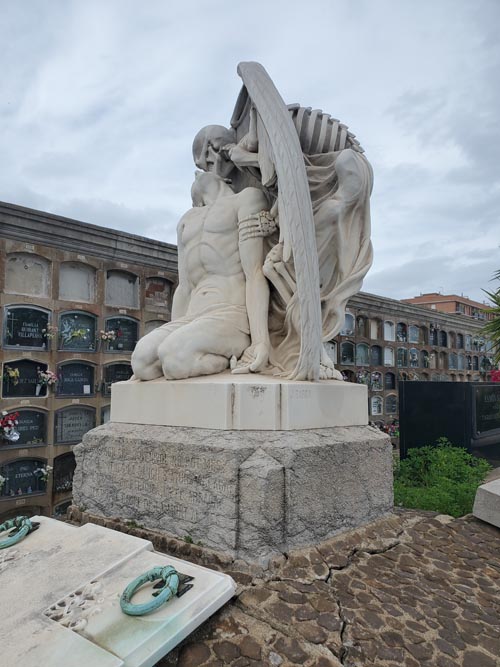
(347, 354)
(32, 428)
(391, 404)
(424, 359)
(348, 328)
(376, 406)
(362, 355)
(72, 423)
(376, 355)
(390, 381)
(414, 357)
(21, 379)
(27, 274)
(115, 373)
(413, 334)
(26, 327)
(23, 477)
(75, 379)
(122, 289)
(388, 356)
(402, 357)
(460, 341)
(389, 331)
(77, 331)
(126, 332)
(77, 282)
(401, 333)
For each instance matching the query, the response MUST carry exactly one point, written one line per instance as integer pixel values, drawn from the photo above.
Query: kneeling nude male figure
(221, 303)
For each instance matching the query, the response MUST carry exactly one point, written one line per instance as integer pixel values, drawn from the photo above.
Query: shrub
(441, 478)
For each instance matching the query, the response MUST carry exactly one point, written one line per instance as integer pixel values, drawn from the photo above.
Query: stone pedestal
(487, 503)
(249, 493)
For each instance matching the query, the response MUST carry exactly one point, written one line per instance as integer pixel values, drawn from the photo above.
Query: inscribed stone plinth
(240, 402)
(248, 493)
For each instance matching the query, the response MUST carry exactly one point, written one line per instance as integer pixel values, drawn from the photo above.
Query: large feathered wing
(282, 149)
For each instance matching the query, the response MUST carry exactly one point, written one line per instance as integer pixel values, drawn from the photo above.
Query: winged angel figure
(277, 241)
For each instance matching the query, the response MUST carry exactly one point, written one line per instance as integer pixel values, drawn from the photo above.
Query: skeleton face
(207, 149)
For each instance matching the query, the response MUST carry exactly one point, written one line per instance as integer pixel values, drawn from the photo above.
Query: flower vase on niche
(38, 388)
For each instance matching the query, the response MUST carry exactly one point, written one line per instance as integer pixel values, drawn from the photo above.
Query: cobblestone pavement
(411, 590)
(414, 589)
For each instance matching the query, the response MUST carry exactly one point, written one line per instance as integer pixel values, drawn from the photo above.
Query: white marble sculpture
(277, 241)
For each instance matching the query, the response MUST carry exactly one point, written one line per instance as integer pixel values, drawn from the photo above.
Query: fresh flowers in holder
(2, 482)
(46, 378)
(43, 472)
(8, 424)
(107, 336)
(50, 332)
(11, 374)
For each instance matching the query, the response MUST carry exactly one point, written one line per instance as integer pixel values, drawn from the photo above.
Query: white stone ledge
(240, 402)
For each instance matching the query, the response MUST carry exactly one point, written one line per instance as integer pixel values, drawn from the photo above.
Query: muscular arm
(250, 202)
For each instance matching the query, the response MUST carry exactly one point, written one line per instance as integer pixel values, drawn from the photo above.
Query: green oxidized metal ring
(19, 528)
(170, 585)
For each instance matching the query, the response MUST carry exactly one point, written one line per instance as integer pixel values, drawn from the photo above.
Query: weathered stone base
(487, 503)
(249, 493)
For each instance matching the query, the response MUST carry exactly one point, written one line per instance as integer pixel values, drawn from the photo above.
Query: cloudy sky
(100, 101)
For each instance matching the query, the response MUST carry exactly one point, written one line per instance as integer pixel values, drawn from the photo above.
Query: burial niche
(64, 469)
(126, 333)
(122, 289)
(21, 378)
(24, 477)
(77, 331)
(115, 373)
(32, 427)
(27, 274)
(75, 379)
(158, 293)
(72, 423)
(77, 282)
(26, 327)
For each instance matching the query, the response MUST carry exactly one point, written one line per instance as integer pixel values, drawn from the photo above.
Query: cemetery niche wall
(53, 308)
